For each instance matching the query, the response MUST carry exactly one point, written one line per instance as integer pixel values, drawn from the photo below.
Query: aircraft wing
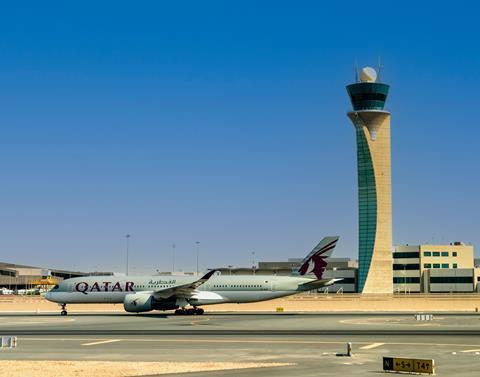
(184, 290)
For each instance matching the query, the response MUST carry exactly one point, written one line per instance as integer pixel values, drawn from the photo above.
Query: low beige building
(434, 268)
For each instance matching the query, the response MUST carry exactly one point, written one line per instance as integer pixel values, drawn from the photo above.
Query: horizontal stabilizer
(315, 284)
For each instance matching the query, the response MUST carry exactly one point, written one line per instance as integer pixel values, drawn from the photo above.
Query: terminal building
(435, 268)
(17, 276)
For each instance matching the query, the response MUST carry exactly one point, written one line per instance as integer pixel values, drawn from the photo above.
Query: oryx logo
(134, 302)
(317, 263)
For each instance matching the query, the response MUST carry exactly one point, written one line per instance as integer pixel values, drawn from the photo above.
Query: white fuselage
(218, 289)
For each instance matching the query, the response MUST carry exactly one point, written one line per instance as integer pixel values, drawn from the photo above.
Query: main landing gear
(64, 309)
(189, 311)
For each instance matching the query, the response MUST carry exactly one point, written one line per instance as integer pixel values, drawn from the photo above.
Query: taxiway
(310, 341)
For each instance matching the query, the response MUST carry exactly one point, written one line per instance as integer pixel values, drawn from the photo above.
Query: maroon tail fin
(316, 261)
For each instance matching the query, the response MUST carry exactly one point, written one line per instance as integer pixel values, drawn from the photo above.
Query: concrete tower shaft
(372, 128)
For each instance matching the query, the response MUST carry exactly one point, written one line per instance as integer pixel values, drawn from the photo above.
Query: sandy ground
(40, 368)
(310, 303)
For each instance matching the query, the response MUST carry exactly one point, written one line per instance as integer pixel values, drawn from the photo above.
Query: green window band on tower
(367, 199)
(368, 96)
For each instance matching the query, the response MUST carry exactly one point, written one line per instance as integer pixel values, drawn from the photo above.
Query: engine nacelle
(138, 302)
(144, 302)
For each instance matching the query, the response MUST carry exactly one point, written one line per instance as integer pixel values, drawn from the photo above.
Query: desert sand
(42, 368)
(299, 303)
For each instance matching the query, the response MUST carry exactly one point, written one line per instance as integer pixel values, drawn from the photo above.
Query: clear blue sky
(225, 122)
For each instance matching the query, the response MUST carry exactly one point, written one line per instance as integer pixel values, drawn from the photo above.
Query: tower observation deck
(372, 128)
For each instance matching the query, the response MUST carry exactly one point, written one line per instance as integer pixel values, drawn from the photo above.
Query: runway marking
(45, 321)
(466, 351)
(398, 321)
(197, 321)
(101, 342)
(184, 321)
(371, 346)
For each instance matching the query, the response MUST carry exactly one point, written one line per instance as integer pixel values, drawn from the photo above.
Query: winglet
(208, 275)
(203, 279)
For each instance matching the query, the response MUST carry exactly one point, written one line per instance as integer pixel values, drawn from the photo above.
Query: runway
(309, 341)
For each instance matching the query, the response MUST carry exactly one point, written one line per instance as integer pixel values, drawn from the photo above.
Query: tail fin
(316, 261)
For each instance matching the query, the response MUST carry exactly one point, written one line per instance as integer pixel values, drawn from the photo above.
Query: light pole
(253, 262)
(127, 239)
(173, 252)
(197, 243)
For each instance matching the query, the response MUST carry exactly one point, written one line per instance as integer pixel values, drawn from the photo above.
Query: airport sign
(400, 364)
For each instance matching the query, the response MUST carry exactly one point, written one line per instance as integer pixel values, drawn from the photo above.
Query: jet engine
(138, 302)
(144, 302)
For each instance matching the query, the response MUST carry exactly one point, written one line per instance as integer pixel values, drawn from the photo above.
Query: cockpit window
(56, 287)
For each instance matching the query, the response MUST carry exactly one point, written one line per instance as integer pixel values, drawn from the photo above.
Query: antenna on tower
(379, 70)
(355, 68)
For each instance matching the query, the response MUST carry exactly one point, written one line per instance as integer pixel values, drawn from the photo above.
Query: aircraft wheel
(180, 312)
(63, 312)
(199, 311)
(191, 311)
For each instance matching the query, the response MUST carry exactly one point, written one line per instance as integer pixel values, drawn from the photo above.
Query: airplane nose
(48, 295)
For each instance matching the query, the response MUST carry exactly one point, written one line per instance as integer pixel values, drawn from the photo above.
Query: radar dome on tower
(368, 74)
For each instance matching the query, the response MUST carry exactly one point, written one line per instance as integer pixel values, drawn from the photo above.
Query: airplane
(185, 294)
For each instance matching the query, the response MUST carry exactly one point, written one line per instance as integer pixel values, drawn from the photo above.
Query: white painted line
(476, 350)
(102, 342)
(370, 346)
(204, 340)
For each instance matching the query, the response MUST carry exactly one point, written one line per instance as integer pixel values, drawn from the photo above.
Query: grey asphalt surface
(310, 341)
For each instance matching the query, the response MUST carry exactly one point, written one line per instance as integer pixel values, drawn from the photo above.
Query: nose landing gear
(189, 311)
(64, 309)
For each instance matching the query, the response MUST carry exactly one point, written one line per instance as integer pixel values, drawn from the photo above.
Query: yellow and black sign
(400, 364)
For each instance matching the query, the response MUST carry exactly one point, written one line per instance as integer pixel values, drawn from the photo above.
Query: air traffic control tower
(372, 128)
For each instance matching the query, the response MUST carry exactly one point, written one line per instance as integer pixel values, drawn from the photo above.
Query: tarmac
(313, 342)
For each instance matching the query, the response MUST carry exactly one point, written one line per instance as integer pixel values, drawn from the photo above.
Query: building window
(444, 253)
(436, 265)
(436, 253)
(406, 280)
(427, 254)
(454, 265)
(412, 266)
(451, 279)
(410, 254)
(445, 265)
(427, 265)
(454, 253)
